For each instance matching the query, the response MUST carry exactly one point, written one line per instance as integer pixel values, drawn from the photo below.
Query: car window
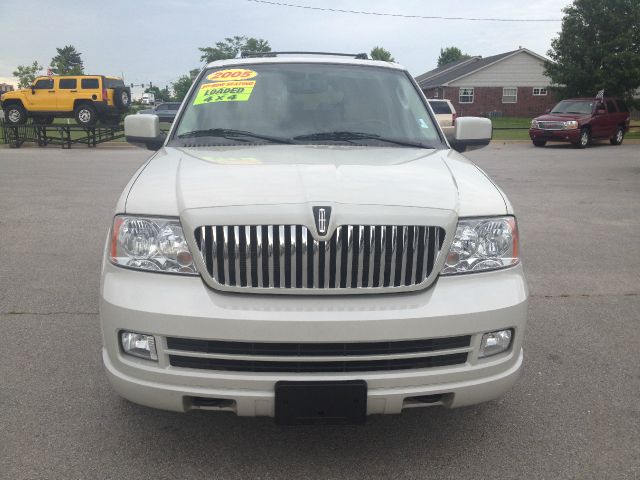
(440, 107)
(611, 106)
(67, 83)
(113, 82)
(574, 106)
(622, 106)
(298, 99)
(174, 107)
(90, 83)
(44, 84)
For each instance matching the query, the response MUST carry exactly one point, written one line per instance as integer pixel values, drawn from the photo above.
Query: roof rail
(359, 56)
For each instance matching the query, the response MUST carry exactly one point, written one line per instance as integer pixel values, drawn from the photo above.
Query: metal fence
(63, 135)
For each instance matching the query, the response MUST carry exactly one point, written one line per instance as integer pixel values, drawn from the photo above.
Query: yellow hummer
(87, 98)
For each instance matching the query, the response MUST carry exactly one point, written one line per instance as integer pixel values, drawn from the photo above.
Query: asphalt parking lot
(574, 414)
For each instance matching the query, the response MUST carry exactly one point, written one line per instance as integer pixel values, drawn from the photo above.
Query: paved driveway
(575, 413)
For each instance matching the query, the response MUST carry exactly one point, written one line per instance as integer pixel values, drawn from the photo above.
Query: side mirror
(144, 130)
(33, 90)
(471, 133)
(548, 110)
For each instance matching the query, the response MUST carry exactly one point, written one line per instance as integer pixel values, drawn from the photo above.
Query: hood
(178, 179)
(562, 117)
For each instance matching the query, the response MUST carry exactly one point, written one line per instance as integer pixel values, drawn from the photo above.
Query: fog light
(495, 342)
(139, 345)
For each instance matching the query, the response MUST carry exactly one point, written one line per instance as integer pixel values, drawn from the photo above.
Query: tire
(618, 137)
(122, 98)
(15, 114)
(585, 139)
(539, 143)
(85, 115)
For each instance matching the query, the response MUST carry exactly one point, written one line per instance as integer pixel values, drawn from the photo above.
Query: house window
(539, 91)
(466, 95)
(509, 95)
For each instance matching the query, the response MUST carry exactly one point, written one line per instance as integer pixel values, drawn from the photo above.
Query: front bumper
(572, 136)
(166, 305)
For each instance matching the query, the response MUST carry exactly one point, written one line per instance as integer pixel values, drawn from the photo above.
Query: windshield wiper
(232, 134)
(342, 136)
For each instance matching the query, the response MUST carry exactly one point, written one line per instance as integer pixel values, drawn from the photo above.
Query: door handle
(52, 91)
(73, 91)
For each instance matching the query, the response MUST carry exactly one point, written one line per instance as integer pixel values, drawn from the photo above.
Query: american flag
(49, 72)
(600, 94)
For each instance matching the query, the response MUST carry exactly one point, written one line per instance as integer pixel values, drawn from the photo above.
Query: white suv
(445, 114)
(305, 244)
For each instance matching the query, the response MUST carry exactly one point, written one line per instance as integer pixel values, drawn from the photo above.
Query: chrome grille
(288, 257)
(547, 125)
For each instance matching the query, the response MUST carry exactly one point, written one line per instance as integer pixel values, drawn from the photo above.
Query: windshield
(574, 106)
(307, 103)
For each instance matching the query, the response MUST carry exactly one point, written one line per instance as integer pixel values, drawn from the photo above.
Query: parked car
(445, 115)
(166, 111)
(297, 250)
(87, 98)
(579, 120)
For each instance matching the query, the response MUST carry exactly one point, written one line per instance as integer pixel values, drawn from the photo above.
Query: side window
(90, 84)
(44, 84)
(509, 95)
(611, 107)
(466, 95)
(622, 106)
(67, 83)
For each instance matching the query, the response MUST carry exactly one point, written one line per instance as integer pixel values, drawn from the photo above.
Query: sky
(158, 40)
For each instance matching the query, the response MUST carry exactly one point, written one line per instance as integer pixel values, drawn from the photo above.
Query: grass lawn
(521, 124)
(504, 128)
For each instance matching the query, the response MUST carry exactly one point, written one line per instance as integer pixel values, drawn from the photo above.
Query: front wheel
(618, 137)
(85, 115)
(584, 140)
(539, 143)
(15, 115)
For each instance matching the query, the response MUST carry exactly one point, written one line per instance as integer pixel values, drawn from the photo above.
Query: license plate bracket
(325, 402)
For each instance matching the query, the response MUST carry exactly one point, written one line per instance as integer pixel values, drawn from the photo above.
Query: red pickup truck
(579, 120)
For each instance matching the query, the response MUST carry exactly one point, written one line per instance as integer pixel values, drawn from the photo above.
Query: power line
(401, 15)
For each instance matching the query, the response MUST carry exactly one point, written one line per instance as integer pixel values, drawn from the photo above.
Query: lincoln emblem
(321, 216)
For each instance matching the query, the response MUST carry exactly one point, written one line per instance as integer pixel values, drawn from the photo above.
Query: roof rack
(359, 56)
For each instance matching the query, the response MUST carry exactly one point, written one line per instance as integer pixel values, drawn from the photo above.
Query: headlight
(483, 244)
(147, 243)
(570, 125)
(534, 124)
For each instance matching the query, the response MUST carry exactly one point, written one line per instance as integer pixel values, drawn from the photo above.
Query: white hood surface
(177, 179)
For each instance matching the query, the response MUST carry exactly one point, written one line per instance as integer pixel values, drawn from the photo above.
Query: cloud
(158, 41)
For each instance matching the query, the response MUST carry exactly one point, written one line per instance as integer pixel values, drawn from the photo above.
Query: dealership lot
(574, 414)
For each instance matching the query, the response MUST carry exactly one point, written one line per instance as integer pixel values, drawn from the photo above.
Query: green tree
(181, 86)
(26, 74)
(67, 61)
(598, 48)
(232, 46)
(380, 53)
(451, 54)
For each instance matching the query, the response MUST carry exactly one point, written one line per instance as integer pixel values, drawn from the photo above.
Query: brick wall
(489, 99)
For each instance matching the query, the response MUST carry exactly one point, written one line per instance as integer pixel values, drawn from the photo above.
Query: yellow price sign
(232, 91)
